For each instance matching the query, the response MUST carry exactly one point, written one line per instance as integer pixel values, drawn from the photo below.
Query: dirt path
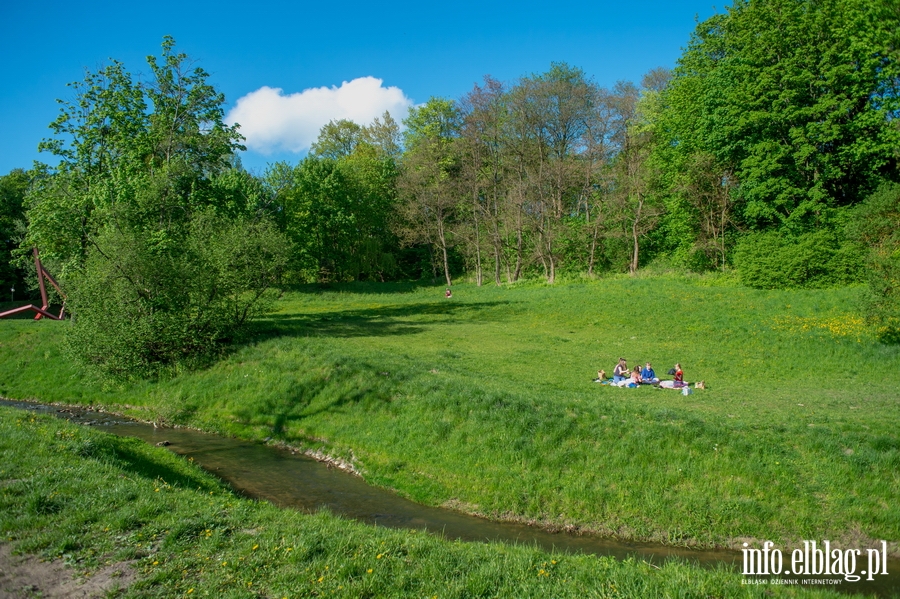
(26, 576)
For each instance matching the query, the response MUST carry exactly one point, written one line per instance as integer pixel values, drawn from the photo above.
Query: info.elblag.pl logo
(815, 559)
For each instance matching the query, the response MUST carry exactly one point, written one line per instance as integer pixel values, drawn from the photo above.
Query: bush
(142, 303)
(774, 260)
(876, 225)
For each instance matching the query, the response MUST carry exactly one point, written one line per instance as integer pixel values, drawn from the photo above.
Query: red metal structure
(42, 311)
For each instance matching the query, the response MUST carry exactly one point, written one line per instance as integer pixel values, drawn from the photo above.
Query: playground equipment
(42, 311)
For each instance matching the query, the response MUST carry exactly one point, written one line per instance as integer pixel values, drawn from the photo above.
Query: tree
(13, 188)
(383, 134)
(336, 205)
(337, 139)
(708, 189)
(481, 147)
(796, 99)
(551, 120)
(164, 247)
(638, 205)
(429, 178)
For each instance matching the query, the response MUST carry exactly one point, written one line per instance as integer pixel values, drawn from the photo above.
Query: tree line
(771, 149)
(753, 154)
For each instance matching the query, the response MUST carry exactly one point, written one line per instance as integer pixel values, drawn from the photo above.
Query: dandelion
(378, 556)
(255, 547)
(190, 591)
(369, 571)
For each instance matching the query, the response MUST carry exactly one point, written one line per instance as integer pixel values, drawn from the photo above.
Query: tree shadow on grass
(308, 402)
(341, 386)
(129, 455)
(364, 287)
(407, 319)
(347, 382)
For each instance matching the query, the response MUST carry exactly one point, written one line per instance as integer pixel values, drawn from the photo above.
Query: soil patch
(27, 576)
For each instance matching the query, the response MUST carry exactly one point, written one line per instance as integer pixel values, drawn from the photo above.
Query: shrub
(774, 260)
(876, 225)
(141, 304)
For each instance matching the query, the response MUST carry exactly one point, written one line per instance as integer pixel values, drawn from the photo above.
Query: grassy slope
(484, 401)
(77, 494)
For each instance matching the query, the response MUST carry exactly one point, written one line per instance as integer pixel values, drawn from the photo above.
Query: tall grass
(484, 402)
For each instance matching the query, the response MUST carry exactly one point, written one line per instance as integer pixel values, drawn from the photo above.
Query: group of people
(623, 377)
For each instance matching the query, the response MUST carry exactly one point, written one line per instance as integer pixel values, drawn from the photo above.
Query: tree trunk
(478, 275)
(635, 236)
(446, 266)
(593, 251)
(443, 239)
(519, 248)
(552, 278)
(497, 266)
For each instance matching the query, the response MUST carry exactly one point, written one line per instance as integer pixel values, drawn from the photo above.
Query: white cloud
(272, 121)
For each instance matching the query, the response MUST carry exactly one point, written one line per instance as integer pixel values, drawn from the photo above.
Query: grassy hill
(484, 402)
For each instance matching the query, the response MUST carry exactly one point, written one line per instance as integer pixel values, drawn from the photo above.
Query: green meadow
(485, 403)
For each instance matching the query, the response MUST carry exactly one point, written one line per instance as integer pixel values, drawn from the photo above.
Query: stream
(292, 480)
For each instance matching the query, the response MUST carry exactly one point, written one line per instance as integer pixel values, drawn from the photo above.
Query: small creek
(297, 481)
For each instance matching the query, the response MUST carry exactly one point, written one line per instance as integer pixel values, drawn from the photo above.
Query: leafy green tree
(13, 188)
(429, 179)
(796, 100)
(337, 139)
(480, 146)
(338, 211)
(549, 130)
(635, 199)
(383, 134)
(164, 247)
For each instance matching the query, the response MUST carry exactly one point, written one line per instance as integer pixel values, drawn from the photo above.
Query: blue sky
(416, 50)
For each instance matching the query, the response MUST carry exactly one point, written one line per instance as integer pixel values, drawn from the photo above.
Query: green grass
(484, 402)
(74, 493)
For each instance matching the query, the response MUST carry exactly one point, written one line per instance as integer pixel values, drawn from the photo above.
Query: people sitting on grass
(678, 382)
(648, 376)
(636, 375)
(620, 372)
(623, 377)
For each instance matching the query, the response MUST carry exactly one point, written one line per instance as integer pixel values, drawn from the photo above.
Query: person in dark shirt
(620, 372)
